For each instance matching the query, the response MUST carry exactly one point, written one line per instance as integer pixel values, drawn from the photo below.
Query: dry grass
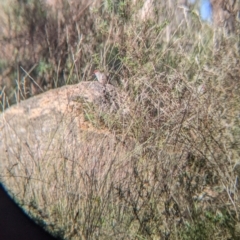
(177, 180)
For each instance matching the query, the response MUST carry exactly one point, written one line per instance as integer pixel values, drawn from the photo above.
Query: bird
(101, 77)
(201, 89)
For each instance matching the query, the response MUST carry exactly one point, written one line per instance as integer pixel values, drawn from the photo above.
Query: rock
(50, 151)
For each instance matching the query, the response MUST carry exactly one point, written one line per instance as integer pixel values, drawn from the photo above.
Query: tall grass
(167, 170)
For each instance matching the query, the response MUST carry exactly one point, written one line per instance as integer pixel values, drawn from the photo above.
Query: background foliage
(184, 101)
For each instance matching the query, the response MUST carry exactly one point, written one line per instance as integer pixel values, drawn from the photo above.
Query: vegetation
(183, 95)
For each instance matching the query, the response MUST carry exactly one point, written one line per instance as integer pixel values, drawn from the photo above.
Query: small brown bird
(101, 77)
